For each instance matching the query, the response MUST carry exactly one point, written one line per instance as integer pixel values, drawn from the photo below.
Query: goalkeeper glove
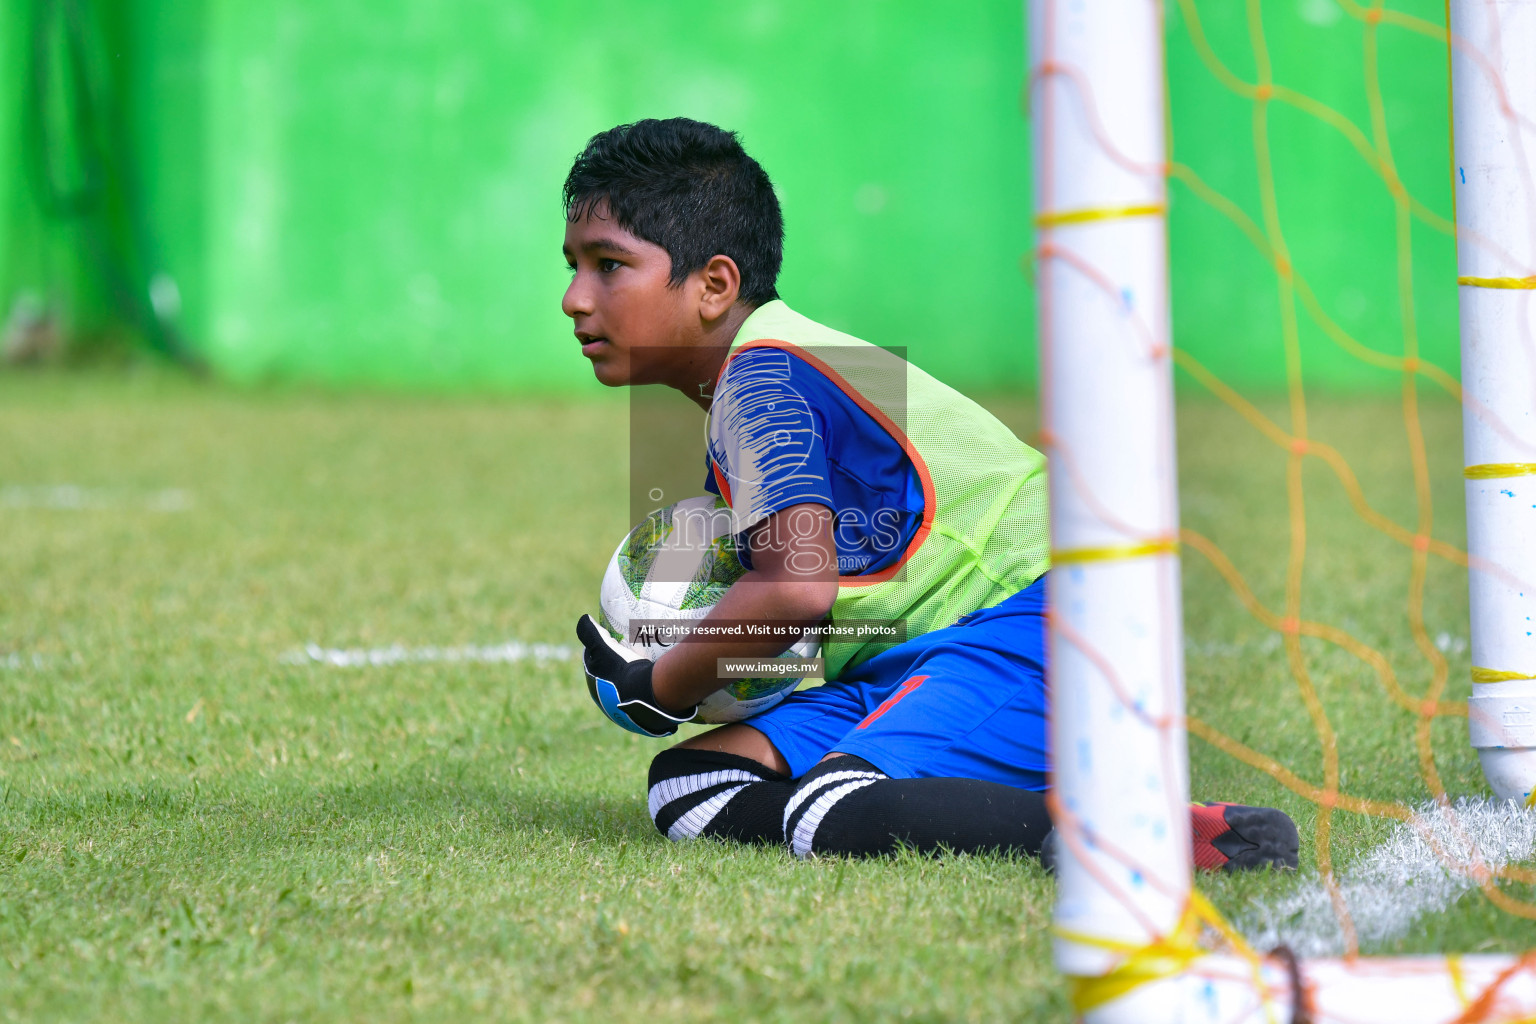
(619, 680)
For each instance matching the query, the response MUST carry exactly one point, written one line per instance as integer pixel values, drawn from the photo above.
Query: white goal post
(1127, 918)
(1493, 65)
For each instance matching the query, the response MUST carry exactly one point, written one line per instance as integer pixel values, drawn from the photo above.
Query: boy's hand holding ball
(619, 680)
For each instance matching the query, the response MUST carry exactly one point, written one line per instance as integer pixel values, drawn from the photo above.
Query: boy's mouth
(590, 346)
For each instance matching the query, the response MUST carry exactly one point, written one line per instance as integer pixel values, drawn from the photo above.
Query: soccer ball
(677, 564)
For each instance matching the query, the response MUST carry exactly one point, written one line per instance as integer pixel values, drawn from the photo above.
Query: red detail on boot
(1208, 821)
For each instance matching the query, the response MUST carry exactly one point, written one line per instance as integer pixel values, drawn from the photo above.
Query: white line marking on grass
(21, 661)
(357, 657)
(1451, 644)
(1424, 867)
(74, 497)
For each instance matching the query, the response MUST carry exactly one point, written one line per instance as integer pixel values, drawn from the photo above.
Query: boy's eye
(608, 266)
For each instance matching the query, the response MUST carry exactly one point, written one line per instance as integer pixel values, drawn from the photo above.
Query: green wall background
(1337, 216)
(43, 255)
(369, 192)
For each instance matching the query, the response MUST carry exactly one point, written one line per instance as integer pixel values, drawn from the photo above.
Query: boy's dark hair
(690, 188)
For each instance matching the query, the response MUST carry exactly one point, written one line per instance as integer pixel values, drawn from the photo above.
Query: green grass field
(192, 826)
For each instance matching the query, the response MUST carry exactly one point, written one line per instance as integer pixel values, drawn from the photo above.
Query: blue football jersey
(782, 434)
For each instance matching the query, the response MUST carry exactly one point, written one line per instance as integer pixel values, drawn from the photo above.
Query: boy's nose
(577, 300)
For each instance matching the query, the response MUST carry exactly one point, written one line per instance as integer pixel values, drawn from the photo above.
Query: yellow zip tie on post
(1499, 470)
(1493, 675)
(1458, 980)
(1060, 218)
(1164, 957)
(1073, 556)
(1518, 283)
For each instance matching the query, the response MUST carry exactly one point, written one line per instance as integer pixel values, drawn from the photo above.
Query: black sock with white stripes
(696, 793)
(847, 806)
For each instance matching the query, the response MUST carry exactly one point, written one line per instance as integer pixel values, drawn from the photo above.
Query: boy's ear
(722, 287)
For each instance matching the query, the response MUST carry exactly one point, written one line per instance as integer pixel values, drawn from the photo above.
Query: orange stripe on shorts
(891, 701)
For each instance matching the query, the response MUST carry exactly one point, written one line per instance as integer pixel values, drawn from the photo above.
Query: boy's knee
(694, 793)
(813, 823)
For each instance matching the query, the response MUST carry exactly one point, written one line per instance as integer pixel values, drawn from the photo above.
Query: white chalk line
(1270, 643)
(1423, 868)
(359, 657)
(73, 497)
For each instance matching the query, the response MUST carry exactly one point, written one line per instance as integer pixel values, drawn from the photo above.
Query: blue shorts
(967, 701)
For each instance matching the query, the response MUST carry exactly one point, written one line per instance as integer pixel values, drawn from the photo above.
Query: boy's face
(631, 323)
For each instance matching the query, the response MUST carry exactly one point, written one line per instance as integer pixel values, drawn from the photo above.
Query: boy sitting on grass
(862, 488)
